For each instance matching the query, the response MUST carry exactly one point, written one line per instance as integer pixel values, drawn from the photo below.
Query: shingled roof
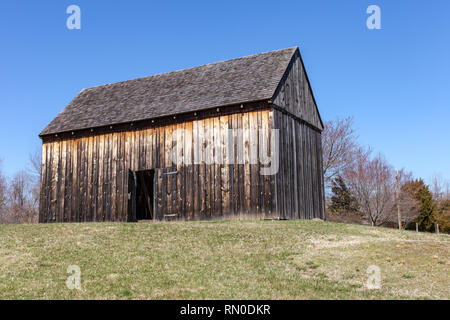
(242, 80)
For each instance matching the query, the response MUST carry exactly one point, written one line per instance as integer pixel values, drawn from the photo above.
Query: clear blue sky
(394, 81)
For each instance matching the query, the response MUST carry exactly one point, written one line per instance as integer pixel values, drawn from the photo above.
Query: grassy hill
(221, 260)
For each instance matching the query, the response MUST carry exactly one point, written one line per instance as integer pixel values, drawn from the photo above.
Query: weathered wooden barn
(239, 139)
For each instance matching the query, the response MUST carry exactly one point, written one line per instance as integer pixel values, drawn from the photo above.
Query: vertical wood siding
(86, 178)
(299, 182)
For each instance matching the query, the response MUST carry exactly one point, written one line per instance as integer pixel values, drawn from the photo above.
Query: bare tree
(339, 147)
(34, 170)
(20, 184)
(372, 183)
(22, 203)
(3, 191)
(440, 187)
(447, 190)
(34, 166)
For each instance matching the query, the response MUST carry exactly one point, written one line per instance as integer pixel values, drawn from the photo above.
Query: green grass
(221, 260)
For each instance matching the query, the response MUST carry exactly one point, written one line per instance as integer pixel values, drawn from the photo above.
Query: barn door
(140, 195)
(166, 202)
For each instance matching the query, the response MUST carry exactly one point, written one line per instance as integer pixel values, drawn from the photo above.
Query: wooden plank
(168, 146)
(224, 167)
(241, 165)
(181, 196)
(48, 217)
(254, 166)
(285, 182)
(95, 175)
(260, 178)
(277, 178)
(295, 168)
(309, 174)
(69, 179)
(304, 173)
(73, 189)
(114, 159)
(160, 147)
(133, 147)
(62, 190)
(322, 184)
(126, 173)
(149, 153)
(42, 184)
(55, 180)
(290, 166)
(313, 175)
(202, 168)
(230, 165)
(298, 156)
(235, 167)
(189, 176)
(164, 209)
(168, 164)
(287, 164)
(142, 149)
(273, 150)
(85, 206)
(45, 185)
(209, 166)
(173, 178)
(107, 180)
(89, 173)
(160, 194)
(173, 192)
(87, 164)
(247, 174)
(264, 155)
(101, 173)
(80, 181)
(316, 176)
(195, 170)
(120, 178)
(217, 160)
(280, 175)
(287, 186)
(133, 195)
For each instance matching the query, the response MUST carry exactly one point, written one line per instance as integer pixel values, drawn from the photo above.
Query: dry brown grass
(221, 260)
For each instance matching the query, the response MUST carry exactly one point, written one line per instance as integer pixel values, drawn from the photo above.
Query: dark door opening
(140, 195)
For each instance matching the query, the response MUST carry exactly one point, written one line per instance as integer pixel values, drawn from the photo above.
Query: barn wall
(86, 178)
(299, 182)
(294, 94)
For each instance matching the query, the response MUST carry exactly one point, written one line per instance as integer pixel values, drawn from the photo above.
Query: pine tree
(342, 199)
(426, 219)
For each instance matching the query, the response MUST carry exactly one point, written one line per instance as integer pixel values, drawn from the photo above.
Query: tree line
(363, 187)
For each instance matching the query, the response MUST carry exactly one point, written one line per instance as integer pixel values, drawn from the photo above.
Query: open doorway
(140, 199)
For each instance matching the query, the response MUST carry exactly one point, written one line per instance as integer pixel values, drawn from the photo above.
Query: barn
(238, 139)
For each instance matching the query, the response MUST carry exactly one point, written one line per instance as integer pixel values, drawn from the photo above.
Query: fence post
(437, 228)
(417, 227)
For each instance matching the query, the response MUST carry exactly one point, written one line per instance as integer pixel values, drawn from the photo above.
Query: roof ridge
(190, 68)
